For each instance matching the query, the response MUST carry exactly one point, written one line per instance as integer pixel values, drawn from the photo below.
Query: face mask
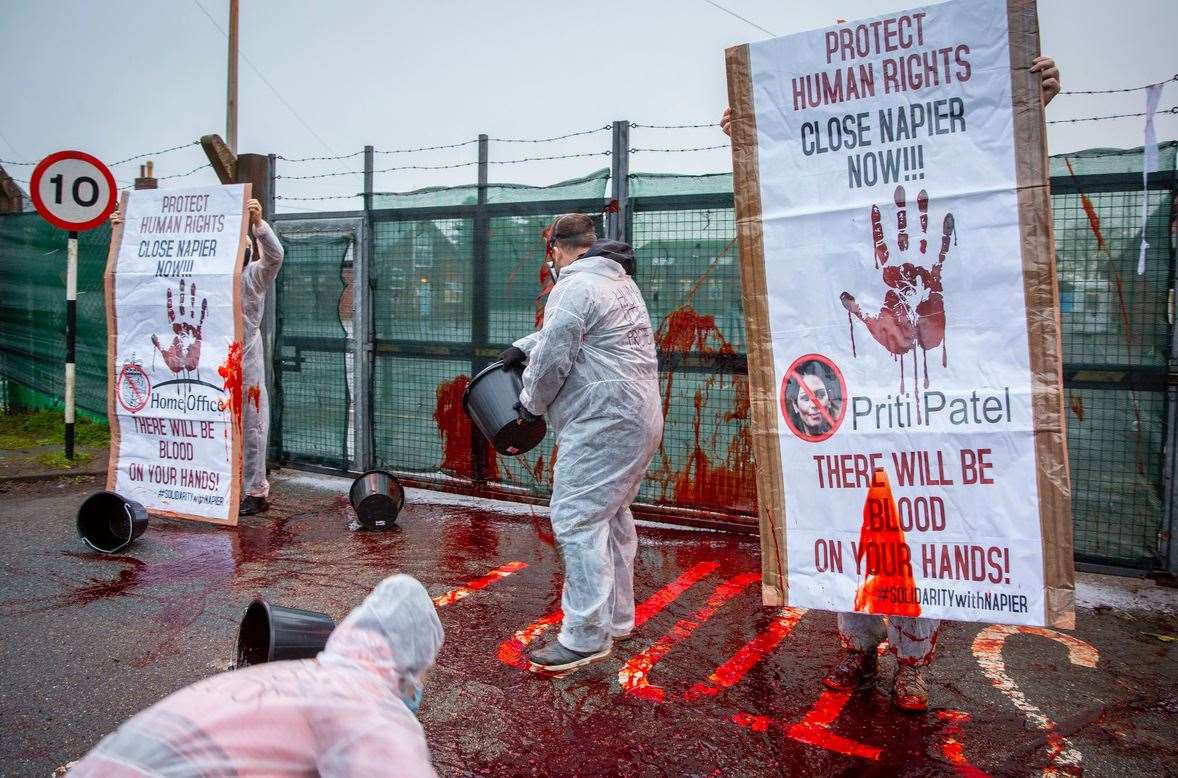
(414, 703)
(554, 271)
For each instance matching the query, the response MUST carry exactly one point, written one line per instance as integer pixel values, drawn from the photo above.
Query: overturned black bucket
(108, 522)
(377, 497)
(490, 402)
(272, 633)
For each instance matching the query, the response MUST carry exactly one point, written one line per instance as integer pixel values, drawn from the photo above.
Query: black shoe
(555, 658)
(251, 506)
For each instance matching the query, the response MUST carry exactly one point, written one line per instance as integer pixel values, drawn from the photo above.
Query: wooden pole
(231, 90)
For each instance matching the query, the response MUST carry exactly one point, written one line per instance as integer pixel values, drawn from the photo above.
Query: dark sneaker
(251, 506)
(555, 658)
(856, 670)
(910, 691)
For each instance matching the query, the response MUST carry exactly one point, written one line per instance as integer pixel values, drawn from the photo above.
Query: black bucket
(108, 522)
(377, 497)
(272, 633)
(490, 402)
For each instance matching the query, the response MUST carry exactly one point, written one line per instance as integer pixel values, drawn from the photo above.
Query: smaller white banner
(176, 374)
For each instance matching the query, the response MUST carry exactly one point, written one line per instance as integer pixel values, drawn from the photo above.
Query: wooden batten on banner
(112, 324)
(762, 381)
(1043, 324)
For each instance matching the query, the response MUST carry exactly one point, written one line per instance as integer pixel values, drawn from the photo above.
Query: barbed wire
(318, 159)
(1117, 91)
(544, 159)
(458, 145)
(313, 199)
(673, 126)
(451, 166)
(156, 153)
(184, 175)
(594, 131)
(1172, 110)
(688, 148)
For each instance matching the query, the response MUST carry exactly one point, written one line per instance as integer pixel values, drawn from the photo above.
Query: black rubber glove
(525, 416)
(512, 357)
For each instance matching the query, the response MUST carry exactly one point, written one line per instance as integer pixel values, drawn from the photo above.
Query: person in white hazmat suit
(256, 277)
(348, 712)
(593, 373)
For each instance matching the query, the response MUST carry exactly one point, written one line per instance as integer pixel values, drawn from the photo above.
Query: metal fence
(384, 313)
(425, 296)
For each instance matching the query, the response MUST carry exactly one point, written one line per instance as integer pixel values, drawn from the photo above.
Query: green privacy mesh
(661, 184)
(445, 300)
(1100, 161)
(312, 352)
(590, 187)
(32, 308)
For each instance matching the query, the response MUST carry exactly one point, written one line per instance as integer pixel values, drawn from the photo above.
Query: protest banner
(174, 334)
(894, 225)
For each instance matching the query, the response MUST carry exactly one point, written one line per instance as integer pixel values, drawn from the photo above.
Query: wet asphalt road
(713, 684)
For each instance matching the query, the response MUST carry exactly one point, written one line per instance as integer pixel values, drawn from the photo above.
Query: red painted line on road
(731, 672)
(462, 592)
(815, 730)
(511, 650)
(669, 593)
(951, 744)
(635, 674)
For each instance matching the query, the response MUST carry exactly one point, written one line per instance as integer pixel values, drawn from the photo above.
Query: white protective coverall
(341, 714)
(593, 372)
(255, 281)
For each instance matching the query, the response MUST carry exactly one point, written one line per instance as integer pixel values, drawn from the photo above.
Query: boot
(555, 658)
(856, 670)
(252, 505)
(910, 691)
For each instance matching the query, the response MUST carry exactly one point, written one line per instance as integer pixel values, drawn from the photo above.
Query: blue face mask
(414, 703)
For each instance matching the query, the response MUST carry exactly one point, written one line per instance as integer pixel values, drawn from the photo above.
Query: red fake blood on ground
(254, 395)
(230, 372)
(883, 556)
(456, 429)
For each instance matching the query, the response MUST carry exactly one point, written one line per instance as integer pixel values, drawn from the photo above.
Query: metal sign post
(76, 192)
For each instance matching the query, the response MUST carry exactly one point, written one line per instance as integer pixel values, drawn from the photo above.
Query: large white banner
(897, 313)
(174, 318)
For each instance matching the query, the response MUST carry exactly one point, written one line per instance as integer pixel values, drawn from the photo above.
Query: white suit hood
(395, 632)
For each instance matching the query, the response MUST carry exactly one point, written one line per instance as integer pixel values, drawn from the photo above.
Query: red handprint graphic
(184, 352)
(913, 312)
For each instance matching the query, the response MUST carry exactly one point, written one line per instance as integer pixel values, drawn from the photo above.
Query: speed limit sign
(73, 190)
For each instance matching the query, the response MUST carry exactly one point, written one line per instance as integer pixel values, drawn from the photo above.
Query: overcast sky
(122, 77)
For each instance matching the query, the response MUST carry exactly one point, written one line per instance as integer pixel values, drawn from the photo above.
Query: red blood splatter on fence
(883, 555)
(230, 372)
(254, 395)
(701, 483)
(1089, 209)
(456, 429)
(684, 330)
